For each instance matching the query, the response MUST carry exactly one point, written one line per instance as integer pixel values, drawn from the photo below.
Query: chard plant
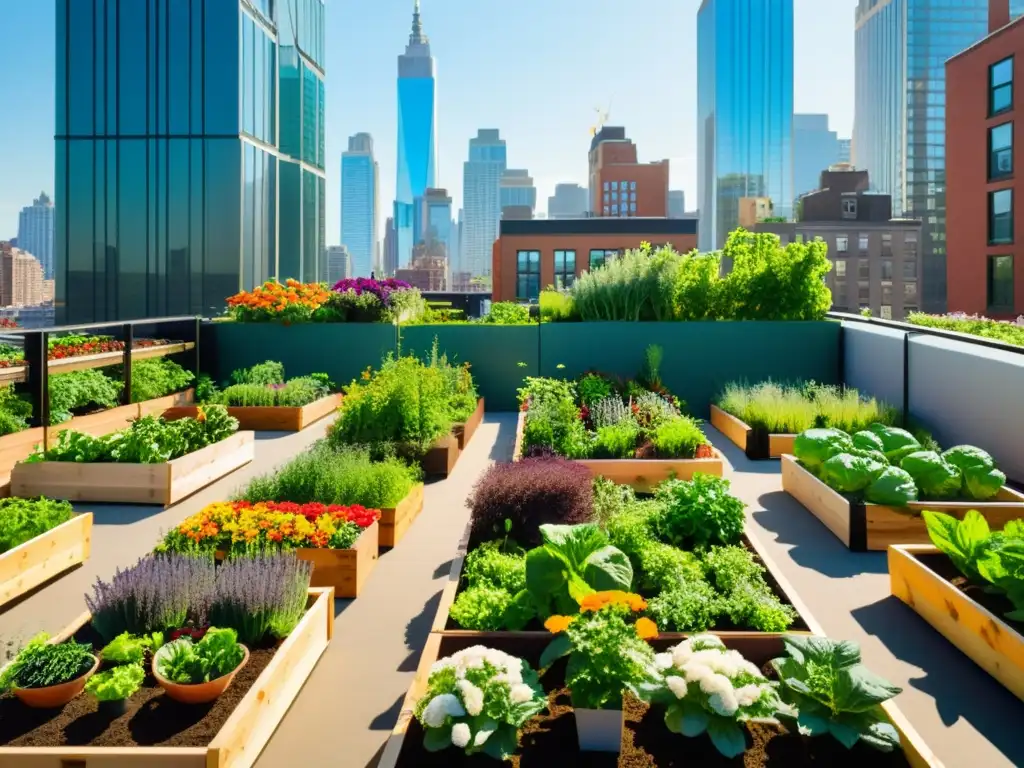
(833, 693)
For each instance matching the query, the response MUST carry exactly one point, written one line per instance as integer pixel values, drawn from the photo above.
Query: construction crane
(602, 118)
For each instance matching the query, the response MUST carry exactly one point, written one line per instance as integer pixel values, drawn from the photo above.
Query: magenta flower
(382, 289)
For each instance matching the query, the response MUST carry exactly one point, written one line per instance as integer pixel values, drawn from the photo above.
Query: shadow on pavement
(505, 442)
(386, 720)
(416, 632)
(737, 458)
(120, 514)
(814, 545)
(958, 687)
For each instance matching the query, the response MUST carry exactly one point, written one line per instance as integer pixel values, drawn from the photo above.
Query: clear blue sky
(536, 69)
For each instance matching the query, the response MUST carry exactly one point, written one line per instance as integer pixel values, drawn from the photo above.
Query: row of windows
(843, 241)
(910, 295)
(626, 196)
(259, 82)
(864, 269)
(1000, 217)
(623, 185)
(619, 210)
(1000, 87)
(528, 270)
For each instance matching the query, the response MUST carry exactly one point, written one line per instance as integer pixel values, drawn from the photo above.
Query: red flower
(704, 452)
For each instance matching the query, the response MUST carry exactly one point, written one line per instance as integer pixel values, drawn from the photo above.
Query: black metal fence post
(196, 360)
(36, 361)
(129, 342)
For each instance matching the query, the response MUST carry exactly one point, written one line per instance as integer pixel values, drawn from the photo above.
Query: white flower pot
(599, 730)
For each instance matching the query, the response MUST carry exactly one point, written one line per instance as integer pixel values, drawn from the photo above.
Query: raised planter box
(121, 417)
(642, 475)
(773, 576)
(99, 360)
(157, 406)
(464, 432)
(755, 443)
(985, 638)
(344, 570)
(404, 749)
(49, 554)
(164, 483)
(875, 527)
(241, 739)
(14, 448)
(270, 419)
(442, 457)
(395, 522)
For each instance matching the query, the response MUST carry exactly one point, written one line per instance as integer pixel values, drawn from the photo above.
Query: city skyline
(360, 55)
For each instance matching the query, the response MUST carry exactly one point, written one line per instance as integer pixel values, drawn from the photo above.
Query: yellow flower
(646, 629)
(557, 624)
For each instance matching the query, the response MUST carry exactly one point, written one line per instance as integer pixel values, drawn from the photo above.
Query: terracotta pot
(200, 693)
(54, 696)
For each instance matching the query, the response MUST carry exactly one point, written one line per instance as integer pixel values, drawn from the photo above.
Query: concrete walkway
(349, 705)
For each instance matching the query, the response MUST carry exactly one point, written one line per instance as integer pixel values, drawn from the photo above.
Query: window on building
(849, 207)
(632, 197)
(839, 294)
(887, 292)
(632, 207)
(606, 209)
(1000, 283)
(599, 257)
(1000, 216)
(887, 244)
(863, 293)
(842, 243)
(910, 293)
(1000, 151)
(615, 197)
(862, 242)
(606, 198)
(840, 268)
(615, 209)
(606, 186)
(527, 275)
(887, 269)
(1000, 86)
(910, 269)
(863, 269)
(565, 269)
(632, 186)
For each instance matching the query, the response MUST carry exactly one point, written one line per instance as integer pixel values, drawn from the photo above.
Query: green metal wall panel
(699, 357)
(493, 351)
(341, 350)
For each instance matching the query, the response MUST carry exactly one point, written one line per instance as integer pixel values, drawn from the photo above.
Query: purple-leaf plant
(382, 289)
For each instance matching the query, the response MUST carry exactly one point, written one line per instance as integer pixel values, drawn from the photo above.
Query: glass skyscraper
(815, 148)
(899, 134)
(189, 153)
(359, 185)
(481, 200)
(417, 138)
(35, 232)
(744, 110)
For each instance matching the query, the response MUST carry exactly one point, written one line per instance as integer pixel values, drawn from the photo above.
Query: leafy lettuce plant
(127, 648)
(117, 683)
(187, 663)
(981, 479)
(936, 477)
(834, 693)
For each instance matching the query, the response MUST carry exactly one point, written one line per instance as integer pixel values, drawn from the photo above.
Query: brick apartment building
(619, 184)
(984, 201)
(530, 255)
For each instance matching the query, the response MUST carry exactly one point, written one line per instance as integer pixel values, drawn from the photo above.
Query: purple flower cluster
(382, 289)
(161, 591)
(261, 595)
(964, 317)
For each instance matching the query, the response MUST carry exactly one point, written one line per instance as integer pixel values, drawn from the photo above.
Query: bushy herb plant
(157, 377)
(593, 387)
(698, 513)
(507, 313)
(80, 390)
(1008, 332)
(48, 665)
(262, 596)
(22, 520)
(679, 438)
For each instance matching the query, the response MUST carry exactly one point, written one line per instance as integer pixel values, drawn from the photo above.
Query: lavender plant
(261, 596)
(160, 592)
(609, 412)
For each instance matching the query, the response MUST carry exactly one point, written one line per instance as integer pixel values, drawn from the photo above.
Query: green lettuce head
(868, 441)
(981, 479)
(814, 446)
(847, 473)
(893, 488)
(895, 441)
(936, 478)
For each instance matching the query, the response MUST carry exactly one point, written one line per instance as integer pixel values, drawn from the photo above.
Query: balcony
(964, 390)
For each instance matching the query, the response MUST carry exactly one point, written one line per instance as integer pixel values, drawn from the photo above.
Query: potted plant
(198, 672)
(113, 687)
(608, 655)
(477, 700)
(46, 676)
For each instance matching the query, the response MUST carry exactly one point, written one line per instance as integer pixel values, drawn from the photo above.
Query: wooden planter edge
(45, 557)
(985, 638)
(755, 443)
(400, 517)
(344, 571)
(247, 730)
(269, 418)
(464, 432)
(875, 527)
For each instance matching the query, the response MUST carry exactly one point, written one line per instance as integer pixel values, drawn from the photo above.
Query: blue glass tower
(359, 185)
(899, 133)
(417, 138)
(481, 200)
(178, 142)
(744, 110)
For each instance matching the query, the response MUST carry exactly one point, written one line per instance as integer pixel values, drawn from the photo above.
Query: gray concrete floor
(349, 705)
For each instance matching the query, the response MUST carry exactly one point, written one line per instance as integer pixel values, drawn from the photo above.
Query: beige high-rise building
(21, 278)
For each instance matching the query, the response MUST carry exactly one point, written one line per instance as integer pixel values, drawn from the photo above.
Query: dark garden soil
(550, 740)
(152, 718)
(997, 604)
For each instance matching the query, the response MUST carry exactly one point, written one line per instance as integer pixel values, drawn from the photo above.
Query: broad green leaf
(727, 737)
(882, 736)
(1014, 529)
(608, 568)
(436, 739)
(545, 574)
(674, 718)
(942, 529)
(520, 611)
(822, 650)
(502, 743)
(573, 542)
(694, 720)
(858, 689)
(560, 646)
(812, 724)
(845, 734)
(972, 532)
(483, 728)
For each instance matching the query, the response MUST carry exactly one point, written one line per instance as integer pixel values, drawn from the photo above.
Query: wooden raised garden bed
(920, 575)
(114, 419)
(395, 522)
(464, 432)
(874, 527)
(164, 483)
(773, 576)
(642, 475)
(49, 554)
(440, 460)
(243, 734)
(158, 406)
(755, 443)
(14, 448)
(344, 570)
(271, 418)
(551, 740)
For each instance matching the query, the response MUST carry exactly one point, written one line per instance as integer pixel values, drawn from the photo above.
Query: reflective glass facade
(899, 132)
(744, 110)
(359, 183)
(168, 169)
(481, 192)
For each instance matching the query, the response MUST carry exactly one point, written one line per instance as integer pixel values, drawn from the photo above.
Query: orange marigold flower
(646, 629)
(557, 624)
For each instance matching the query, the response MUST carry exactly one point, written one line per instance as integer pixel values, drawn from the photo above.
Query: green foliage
(933, 475)
(593, 387)
(127, 648)
(78, 390)
(698, 513)
(981, 479)
(610, 500)
(48, 665)
(834, 693)
(490, 565)
(813, 447)
(508, 313)
(745, 596)
(1008, 333)
(35, 647)
(557, 306)
(185, 662)
(157, 377)
(689, 605)
(206, 390)
(294, 393)
(15, 411)
(481, 608)
(678, 438)
(848, 473)
(22, 520)
(634, 286)
(117, 683)
(344, 475)
(616, 441)
(265, 374)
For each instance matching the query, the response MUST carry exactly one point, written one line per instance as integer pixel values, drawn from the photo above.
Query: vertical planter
(599, 730)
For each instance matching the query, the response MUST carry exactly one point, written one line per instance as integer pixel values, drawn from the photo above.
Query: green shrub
(557, 306)
(593, 387)
(617, 441)
(508, 313)
(1006, 332)
(81, 390)
(15, 411)
(634, 286)
(263, 374)
(698, 513)
(157, 377)
(23, 519)
(678, 438)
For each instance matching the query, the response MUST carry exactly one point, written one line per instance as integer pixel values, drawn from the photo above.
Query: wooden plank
(821, 501)
(780, 445)
(894, 525)
(14, 448)
(733, 428)
(40, 559)
(319, 409)
(243, 736)
(133, 483)
(644, 475)
(345, 571)
(464, 432)
(157, 406)
(101, 360)
(985, 638)
(394, 523)
(95, 424)
(269, 418)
